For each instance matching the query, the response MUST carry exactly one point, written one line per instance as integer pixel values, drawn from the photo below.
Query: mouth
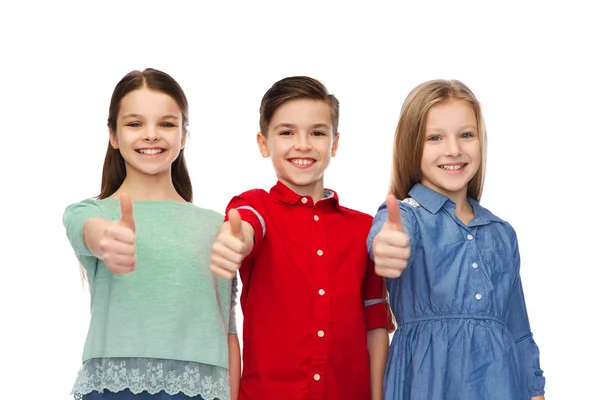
(302, 162)
(154, 151)
(453, 167)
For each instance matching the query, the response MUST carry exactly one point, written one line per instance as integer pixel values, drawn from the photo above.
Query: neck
(315, 190)
(143, 187)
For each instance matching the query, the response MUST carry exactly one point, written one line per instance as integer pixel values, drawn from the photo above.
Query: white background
(533, 66)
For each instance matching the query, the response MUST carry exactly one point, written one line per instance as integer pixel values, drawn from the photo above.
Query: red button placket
(319, 356)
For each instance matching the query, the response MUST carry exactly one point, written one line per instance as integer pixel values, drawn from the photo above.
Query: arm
(378, 343)
(235, 367)
(518, 326)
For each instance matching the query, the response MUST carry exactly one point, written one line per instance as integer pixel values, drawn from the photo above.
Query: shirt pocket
(494, 255)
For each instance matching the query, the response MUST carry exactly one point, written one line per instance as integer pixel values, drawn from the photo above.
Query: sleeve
(376, 302)
(249, 206)
(233, 303)
(74, 217)
(518, 326)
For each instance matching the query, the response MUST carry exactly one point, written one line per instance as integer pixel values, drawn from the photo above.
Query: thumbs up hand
(230, 248)
(391, 245)
(118, 241)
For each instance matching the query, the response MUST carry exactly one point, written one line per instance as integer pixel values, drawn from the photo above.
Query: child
(315, 313)
(453, 266)
(162, 326)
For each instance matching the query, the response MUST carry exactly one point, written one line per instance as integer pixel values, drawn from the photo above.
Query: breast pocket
(496, 254)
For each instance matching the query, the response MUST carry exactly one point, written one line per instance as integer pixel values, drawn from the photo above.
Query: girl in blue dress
(452, 267)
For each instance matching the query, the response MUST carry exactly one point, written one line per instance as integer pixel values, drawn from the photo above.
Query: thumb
(127, 211)
(394, 218)
(235, 221)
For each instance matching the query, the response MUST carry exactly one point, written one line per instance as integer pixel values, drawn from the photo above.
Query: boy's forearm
(92, 232)
(378, 343)
(235, 364)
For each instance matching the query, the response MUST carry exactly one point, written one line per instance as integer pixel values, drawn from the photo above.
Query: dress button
(304, 200)
(316, 377)
(316, 217)
(321, 292)
(320, 252)
(321, 333)
(478, 296)
(474, 265)
(470, 237)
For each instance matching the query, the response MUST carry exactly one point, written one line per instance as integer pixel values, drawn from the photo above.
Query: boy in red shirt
(316, 317)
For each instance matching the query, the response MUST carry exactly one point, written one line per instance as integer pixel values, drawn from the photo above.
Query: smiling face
(452, 150)
(149, 132)
(300, 142)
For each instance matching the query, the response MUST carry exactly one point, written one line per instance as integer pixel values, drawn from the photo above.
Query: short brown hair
(295, 88)
(410, 134)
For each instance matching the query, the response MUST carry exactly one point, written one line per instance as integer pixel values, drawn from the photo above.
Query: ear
(261, 140)
(112, 138)
(184, 139)
(334, 147)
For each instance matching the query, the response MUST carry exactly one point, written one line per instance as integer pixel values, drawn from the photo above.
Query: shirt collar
(286, 195)
(433, 202)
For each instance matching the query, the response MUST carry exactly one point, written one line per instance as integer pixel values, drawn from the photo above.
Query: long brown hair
(114, 172)
(410, 134)
(295, 88)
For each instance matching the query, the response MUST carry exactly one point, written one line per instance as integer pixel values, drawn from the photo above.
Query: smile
(453, 167)
(150, 152)
(302, 162)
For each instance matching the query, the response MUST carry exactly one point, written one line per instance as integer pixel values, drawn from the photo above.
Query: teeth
(452, 167)
(302, 162)
(150, 152)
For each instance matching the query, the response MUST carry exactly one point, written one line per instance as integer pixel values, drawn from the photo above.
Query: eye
(134, 124)
(319, 133)
(466, 135)
(168, 125)
(434, 138)
(286, 133)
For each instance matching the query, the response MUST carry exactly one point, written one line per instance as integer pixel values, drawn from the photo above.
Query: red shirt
(309, 296)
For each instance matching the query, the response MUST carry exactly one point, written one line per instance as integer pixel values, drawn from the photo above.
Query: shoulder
(90, 205)
(209, 215)
(498, 222)
(356, 215)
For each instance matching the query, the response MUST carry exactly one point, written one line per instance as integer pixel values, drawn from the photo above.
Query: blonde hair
(410, 134)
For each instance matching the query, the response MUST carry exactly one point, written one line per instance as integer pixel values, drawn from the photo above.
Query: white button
(321, 333)
(478, 296)
(321, 292)
(304, 200)
(316, 377)
(316, 217)
(470, 237)
(320, 252)
(474, 265)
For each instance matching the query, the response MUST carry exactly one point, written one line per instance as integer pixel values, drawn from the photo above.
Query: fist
(230, 249)
(391, 245)
(118, 241)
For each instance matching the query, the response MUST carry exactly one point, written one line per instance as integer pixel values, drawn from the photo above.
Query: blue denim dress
(463, 331)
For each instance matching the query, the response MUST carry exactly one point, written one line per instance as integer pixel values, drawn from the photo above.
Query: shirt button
(321, 292)
(474, 265)
(316, 217)
(320, 252)
(316, 377)
(470, 237)
(321, 333)
(478, 296)
(304, 200)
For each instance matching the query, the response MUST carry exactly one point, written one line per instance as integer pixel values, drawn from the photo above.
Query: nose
(302, 143)
(453, 148)
(150, 134)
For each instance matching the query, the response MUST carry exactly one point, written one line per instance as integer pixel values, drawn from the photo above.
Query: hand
(390, 246)
(230, 249)
(118, 241)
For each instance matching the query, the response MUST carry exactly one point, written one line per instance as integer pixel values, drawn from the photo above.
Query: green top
(171, 307)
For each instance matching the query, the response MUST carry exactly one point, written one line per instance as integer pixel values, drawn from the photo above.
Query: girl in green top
(162, 326)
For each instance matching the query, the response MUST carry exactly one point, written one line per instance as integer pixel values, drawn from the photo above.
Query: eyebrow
(138, 116)
(436, 129)
(287, 125)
